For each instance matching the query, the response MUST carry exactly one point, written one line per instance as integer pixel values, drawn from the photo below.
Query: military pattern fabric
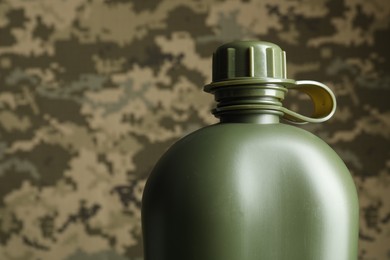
(92, 92)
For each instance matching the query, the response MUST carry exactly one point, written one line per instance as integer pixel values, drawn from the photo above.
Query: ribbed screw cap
(249, 60)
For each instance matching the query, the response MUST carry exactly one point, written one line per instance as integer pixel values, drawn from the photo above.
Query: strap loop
(323, 99)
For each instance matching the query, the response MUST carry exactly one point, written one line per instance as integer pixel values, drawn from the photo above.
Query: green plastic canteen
(250, 187)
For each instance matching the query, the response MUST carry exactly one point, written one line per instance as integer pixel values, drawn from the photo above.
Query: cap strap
(322, 97)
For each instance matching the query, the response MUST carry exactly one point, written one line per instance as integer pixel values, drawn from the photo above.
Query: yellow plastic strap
(323, 99)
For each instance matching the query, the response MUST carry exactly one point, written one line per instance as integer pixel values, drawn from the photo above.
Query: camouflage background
(92, 92)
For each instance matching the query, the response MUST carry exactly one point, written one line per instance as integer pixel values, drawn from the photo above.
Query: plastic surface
(249, 59)
(250, 188)
(258, 63)
(241, 191)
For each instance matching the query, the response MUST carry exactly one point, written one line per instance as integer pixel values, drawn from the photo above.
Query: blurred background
(92, 92)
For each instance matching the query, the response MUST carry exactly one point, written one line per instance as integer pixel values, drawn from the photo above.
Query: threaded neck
(258, 103)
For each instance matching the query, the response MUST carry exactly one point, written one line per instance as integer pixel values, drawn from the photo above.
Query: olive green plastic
(247, 191)
(249, 187)
(262, 63)
(254, 60)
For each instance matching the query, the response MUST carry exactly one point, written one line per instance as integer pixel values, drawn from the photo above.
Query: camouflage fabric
(92, 92)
